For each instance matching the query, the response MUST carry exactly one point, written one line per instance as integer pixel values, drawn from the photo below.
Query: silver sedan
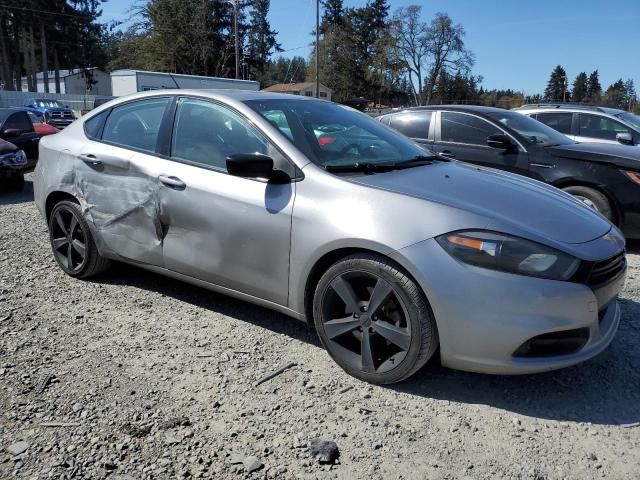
(318, 211)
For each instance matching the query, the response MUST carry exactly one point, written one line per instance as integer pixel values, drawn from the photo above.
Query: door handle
(90, 159)
(172, 182)
(448, 154)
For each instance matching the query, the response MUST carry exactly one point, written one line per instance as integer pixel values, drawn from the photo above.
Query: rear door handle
(448, 154)
(172, 182)
(90, 159)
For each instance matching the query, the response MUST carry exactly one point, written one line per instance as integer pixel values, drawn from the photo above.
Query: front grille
(605, 270)
(65, 115)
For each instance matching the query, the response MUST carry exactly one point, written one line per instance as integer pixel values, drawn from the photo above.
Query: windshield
(630, 118)
(43, 103)
(532, 131)
(332, 135)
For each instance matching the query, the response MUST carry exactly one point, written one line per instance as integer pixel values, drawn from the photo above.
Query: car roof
(238, 95)
(571, 107)
(481, 109)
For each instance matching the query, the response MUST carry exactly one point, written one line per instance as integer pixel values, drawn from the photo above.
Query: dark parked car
(54, 112)
(16, 127)
(606, 177)
(13, 162)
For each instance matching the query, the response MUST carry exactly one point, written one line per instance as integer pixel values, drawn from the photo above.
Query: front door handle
(172, 182)
(448, 154)
(90, 159)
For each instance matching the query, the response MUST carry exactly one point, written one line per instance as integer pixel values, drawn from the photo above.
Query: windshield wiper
(382, 167)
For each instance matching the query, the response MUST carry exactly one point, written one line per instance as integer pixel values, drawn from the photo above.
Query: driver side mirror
(254, 165)
(501, 142)
(624, 138)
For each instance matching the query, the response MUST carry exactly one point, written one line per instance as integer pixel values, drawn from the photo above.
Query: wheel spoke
(70, 256)
(366, 354)
(79, 247)
(58, 243)
(335, 328)
(346, 293)
(72, 225)
(396, 335)
(60, 222)
(380, 293)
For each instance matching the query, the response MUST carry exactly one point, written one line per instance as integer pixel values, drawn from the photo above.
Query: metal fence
(78, 103)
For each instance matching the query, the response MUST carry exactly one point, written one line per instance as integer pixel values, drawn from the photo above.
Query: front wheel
(373, 319)
(72, 242)
(593, 199)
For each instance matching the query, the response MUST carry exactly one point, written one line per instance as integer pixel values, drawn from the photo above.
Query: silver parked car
(587, 123)
(325, 214)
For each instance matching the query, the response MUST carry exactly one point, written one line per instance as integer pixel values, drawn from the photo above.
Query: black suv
(606, 177)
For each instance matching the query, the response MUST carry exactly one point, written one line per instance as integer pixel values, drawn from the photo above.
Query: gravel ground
(134, 376)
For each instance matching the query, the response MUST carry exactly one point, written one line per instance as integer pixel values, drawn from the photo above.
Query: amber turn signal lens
(465, 241)
(633, 176)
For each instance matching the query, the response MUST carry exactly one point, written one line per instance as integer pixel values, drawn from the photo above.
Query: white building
(75, 81)
(126, 82)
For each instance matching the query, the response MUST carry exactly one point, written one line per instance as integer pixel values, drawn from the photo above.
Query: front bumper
(485, 316)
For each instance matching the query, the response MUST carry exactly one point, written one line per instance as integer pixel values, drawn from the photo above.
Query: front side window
(18, 121)
(412, 124)
(206, 134)
(530, 130)
(558, 121)
(630, 118)
(595, 126)
(334, 135)
(136, 125)
(462, 128)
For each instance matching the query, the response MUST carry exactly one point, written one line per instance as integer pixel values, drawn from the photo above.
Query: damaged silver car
(322, 213)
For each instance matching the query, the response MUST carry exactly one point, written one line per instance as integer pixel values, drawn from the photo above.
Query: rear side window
(94, 124)
(18, 121)
(136, 125)
(560, 122)
(462, 128)
(412, 124)
(595, 126)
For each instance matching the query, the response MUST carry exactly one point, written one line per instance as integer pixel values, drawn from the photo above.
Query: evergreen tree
(332, 16)
(556, 90)
(615, 96)
(580, 88)
(594, 89)
(261, 39)
(631, 98)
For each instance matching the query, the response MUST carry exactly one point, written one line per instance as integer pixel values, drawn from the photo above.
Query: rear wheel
(594, 199)
(373, 319)
(72, 242)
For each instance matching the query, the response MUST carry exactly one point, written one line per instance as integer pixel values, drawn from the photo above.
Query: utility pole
(564, 89)
(235, 35)
(317, 48)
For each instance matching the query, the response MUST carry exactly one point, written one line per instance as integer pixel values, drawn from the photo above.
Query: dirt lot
(148, 378)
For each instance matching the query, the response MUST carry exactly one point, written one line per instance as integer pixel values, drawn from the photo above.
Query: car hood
(619, 155)
(524, 204)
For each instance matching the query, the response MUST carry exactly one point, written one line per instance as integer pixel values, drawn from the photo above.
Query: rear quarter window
(93, 126)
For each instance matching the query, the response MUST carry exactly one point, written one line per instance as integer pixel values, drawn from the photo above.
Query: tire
(594, 199)
(78, 258)
(15, 183)
(393, 318)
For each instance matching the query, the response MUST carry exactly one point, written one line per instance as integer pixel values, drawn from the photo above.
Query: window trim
(294, 172)
(438, 132)
(127, 147)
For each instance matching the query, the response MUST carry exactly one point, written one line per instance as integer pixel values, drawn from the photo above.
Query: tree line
(389, 58)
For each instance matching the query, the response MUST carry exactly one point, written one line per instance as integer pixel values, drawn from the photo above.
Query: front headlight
(498, 251)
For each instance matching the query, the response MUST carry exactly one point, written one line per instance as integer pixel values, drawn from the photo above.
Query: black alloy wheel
(373, 320)
(72, 242)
